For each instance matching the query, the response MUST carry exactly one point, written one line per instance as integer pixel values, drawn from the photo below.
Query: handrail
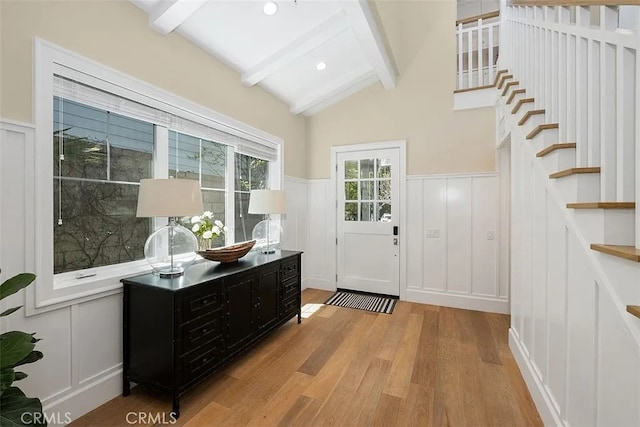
(487, 15)
(574, 2)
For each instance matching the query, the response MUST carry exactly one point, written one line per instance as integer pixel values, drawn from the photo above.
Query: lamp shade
(169, 197)
(267, 202)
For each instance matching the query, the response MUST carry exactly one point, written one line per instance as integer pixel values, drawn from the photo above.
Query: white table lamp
(267, 202)
(172, 248)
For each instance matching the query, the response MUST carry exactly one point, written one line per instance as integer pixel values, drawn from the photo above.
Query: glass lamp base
(170, 250)
(268, 235)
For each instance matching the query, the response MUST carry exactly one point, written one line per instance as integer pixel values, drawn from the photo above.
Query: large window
(100, 156)
(251, 173)
(99, 159)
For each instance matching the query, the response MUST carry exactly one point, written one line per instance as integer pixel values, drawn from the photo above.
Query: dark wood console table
(178, 331)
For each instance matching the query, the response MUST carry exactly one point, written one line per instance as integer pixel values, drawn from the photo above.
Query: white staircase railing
(581, 64)
(477, 50)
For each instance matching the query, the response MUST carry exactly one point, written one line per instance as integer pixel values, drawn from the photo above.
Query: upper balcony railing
(477, 50)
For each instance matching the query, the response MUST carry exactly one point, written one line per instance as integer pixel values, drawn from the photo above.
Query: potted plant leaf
(17, 349)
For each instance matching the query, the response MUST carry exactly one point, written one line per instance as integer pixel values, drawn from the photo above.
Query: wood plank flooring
(421, 366)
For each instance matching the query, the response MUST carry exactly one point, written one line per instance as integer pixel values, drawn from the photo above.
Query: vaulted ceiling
(284, 52)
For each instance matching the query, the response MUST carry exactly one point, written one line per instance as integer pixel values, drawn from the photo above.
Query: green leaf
(20, 376)
(14, 347)
(7, 377)
(34, 356)
(14, 284)
(19, 410)
(10, 310)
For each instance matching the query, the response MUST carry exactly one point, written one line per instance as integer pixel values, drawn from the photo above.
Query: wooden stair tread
(508, 85)
(626, 252)
(521, 103)
(514, 93)
(560, 146)
(498, 76)
(634, 309)
(528, 114)
(540, 128)
(602, 205)
(503, 79)
(574, 171)
(469, 89)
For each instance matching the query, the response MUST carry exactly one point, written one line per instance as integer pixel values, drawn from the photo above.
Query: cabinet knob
(204, 330)
(205, 301)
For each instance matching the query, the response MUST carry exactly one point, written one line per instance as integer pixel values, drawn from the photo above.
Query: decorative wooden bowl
(228, 253)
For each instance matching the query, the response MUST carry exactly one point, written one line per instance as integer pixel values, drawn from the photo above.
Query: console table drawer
(202, 330)
(290, 288)
(289, 269)
(290, 306)
(197, 363)
(202, 301)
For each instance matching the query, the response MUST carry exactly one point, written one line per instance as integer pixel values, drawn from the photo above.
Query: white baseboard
(79, 401)
(468, 302)
(538, 391)
(315, 283)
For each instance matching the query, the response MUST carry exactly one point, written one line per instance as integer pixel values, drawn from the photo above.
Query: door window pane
(366, 211)
(351, 169)
(384, 190)
(384, 212)
(366, 169)
(384, 168)
(351, 211)
(351, 190)
(366, 190)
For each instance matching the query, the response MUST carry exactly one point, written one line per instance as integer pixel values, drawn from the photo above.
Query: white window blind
(75, 91)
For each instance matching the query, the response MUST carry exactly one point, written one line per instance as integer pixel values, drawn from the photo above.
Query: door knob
(395, 241)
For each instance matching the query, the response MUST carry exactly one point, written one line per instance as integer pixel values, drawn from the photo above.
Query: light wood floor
(421, 366)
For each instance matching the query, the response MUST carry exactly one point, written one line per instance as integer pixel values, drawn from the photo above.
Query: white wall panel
(459, 234)
(618, 368)
(581, 321)
(295, 220)
(539, 290)
(321, 248)
(434, 236)
(484, 217)
(415, 233)
(94, 320)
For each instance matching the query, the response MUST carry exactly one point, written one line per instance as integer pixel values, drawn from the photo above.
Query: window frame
(55, 291)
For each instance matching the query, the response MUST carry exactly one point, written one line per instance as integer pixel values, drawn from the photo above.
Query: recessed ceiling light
(270, 8)
(321, 66)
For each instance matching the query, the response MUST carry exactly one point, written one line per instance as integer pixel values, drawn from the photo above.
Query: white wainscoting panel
(295, 220)
(453, 241)
(321, 247)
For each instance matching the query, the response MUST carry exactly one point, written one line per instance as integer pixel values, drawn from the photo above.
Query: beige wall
(420, 110)
(115, 33)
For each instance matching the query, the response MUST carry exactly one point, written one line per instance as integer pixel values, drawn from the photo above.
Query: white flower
(207, 214)
(218, 223)
(207, 235)
(224, 228)
(195, 228)
(195, 219)
(216, 230)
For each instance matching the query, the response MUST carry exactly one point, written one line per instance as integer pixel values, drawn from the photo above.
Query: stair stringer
(595, 297)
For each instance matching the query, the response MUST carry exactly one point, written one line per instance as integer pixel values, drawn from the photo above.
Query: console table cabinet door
(268, 298)
(240, 310)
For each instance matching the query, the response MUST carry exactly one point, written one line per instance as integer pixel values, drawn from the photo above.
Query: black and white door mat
(368, 302)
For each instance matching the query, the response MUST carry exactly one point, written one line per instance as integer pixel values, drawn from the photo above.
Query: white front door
(367, 221)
